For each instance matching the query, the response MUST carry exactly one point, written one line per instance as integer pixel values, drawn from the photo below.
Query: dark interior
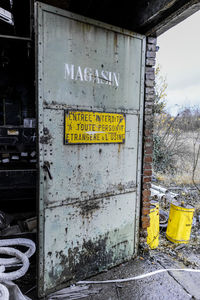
(21, 14)
(18, 156)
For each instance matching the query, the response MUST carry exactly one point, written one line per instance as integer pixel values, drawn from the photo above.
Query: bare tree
(196, 154)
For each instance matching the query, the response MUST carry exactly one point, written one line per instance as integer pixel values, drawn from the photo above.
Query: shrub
(163, 160)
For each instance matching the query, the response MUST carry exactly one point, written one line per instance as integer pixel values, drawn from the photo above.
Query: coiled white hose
(19, 258)
(11, 242)
(15, 274)
(4, 293)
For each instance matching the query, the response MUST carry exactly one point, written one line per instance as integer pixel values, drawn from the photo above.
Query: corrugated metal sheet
(89, 194)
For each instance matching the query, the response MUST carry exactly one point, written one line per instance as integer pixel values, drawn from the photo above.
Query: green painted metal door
(90, 79)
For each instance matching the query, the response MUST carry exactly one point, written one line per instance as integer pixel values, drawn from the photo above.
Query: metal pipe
(15, 37)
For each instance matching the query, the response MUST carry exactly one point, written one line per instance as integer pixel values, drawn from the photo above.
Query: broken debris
(74, 292)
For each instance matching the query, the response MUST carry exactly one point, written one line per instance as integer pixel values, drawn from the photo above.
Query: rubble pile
(187, 253)
(17, 224)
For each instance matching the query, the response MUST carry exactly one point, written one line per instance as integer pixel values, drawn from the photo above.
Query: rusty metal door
(90, 111)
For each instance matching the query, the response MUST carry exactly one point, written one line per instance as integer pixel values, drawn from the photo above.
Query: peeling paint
(88, 206)
(92, 258)
(45, 139)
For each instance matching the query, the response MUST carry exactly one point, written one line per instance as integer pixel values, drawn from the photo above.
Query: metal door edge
(39, 108)
(86, 20)
(140, 145)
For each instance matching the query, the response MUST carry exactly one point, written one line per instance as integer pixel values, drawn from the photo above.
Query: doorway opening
(18, 154)
(177, 131)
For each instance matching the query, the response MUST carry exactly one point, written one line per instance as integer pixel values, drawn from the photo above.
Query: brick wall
(151, 49)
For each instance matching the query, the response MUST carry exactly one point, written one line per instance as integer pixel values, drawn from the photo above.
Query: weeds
(177, 147)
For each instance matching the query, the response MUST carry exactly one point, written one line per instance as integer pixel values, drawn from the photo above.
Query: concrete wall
(149, 17)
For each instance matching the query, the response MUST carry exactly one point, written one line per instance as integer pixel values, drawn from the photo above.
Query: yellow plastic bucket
(179, 224)
(153, 229)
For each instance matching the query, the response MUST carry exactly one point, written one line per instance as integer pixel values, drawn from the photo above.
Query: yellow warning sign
(86, 127)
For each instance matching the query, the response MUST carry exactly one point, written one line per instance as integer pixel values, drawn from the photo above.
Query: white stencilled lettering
(79, 75)
(87, 74)
(69, 71)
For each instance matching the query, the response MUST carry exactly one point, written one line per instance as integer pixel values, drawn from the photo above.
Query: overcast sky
(179, 58)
